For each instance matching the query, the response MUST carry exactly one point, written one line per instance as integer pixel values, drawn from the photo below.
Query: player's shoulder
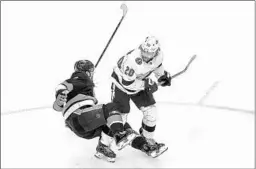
(134, 57)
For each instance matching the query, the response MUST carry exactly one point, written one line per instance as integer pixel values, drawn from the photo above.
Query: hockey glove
(61, 97)
(150, 85)
(165, 80)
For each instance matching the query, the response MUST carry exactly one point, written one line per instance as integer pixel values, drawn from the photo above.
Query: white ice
(206, 117)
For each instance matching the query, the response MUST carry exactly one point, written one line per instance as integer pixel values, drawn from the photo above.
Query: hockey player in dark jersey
(87, 119)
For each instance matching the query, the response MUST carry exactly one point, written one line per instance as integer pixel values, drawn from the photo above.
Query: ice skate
(153, 148)
(103, 151)
(160, 148)
(124, 138)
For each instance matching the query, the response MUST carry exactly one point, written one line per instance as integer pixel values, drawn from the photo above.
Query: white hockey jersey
(131, 71)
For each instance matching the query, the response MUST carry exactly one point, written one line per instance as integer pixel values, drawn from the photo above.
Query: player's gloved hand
(61, 97)
(150, 85)
(165, 80)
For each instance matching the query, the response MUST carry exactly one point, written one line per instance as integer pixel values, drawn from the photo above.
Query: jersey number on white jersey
(127, 70)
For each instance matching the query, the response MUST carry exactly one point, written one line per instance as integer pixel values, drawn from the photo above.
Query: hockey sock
(115, 123)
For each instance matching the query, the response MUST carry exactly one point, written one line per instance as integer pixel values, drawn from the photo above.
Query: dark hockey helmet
(84, 66)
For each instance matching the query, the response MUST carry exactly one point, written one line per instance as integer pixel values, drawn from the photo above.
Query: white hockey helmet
(149, 48)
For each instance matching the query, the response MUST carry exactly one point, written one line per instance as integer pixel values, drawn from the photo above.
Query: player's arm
(163, 77)
(67, 86)
(61, 92)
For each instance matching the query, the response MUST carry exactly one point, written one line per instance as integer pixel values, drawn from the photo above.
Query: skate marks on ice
(206, 95)
(25, 110)
(200, 104)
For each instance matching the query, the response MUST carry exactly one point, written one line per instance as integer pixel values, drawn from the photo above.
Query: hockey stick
(125, 9)
(184, 70)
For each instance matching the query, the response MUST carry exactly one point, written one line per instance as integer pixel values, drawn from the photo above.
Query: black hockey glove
(165, 80)
(150, 85)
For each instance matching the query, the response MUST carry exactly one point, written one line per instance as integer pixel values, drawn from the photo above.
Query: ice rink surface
(197, 137)
(207, 116)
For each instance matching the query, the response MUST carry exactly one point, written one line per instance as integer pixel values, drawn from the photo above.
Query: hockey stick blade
(184, 70)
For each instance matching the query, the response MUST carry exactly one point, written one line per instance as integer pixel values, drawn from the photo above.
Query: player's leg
(146, 103)
(85, 125)
(73, 123)
(96, 116)
(86, 122)
(103, 150)
(121, 99)
(115, 121)
(104, 121)
(140, 143)
(112, 133)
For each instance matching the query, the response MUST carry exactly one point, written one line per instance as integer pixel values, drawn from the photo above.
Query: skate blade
(126, 141)
(102, 156)
(98, 155)
(161, 151)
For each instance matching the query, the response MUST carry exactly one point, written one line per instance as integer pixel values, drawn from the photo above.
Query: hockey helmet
(149, 48)
(85, 66)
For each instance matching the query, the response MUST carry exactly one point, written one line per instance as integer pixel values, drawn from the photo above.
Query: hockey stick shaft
(184, 70)
(124, 8)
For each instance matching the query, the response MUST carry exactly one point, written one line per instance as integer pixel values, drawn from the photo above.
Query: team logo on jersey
(138, 61)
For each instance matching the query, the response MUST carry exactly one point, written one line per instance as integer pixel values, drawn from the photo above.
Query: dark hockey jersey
(80, 88)
(81, 84)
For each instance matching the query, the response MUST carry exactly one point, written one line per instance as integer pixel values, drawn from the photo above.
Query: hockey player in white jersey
(131, 82)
